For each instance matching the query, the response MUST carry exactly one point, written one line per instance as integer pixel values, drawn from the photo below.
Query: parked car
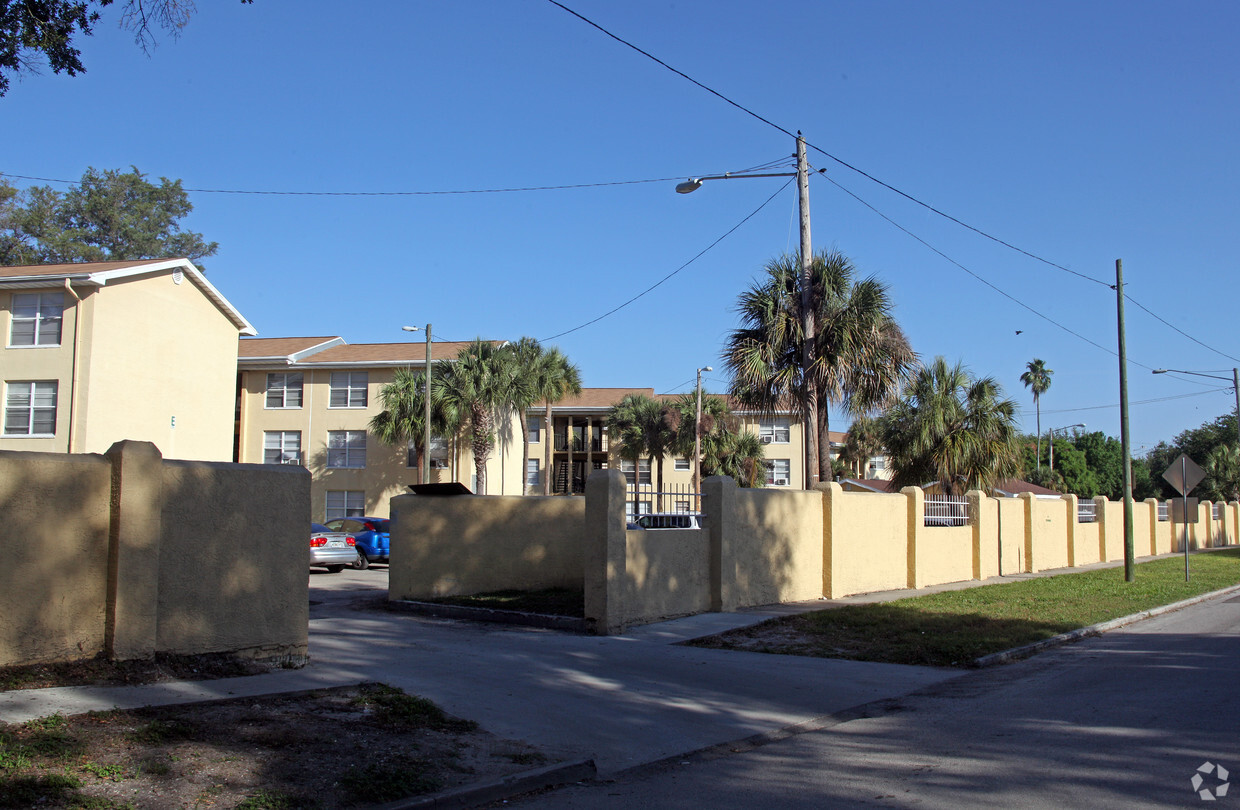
(331, 549)
(371, 535)
(668, 520)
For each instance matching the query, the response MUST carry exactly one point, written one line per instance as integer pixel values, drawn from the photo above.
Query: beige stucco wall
(54, 510)
(36, 364)
(154, 352)
(666, 574)
(1011, 531)
(778, 556)
(1046, 535)
(233, 558)
(471, 544)
(944, 554)
(133, 555)
(868, 542)
(1161, 530)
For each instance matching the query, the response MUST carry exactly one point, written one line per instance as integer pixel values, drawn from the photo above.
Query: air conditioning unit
(765, 439)
(294, 460)
(781, 482)
(439, 464)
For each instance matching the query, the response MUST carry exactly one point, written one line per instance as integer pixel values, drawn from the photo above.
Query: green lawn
(955, 627)
(551, 601)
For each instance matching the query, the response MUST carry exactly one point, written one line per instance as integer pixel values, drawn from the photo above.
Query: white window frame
(282, 447)
(344, 503)
(778, 469)
(878, 463)
(346, 449)
(43, 324)
(533, 473)
(349, 387)
(682, 465)
(30, 391)
(777, 430)
(285, 383)
(534, 428)
(643, 471)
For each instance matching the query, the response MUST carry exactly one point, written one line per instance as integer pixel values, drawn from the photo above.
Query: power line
(382, 193)
(658, 283)
(949, 259)
(1167, 323)
(816, 148)
(1137, 402)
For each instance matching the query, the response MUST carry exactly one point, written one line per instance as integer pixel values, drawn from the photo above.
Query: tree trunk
(481, 445)
(1038, 408)
(825, 471)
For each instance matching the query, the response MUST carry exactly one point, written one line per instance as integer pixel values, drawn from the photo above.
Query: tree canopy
(31, 30)
(109, 215)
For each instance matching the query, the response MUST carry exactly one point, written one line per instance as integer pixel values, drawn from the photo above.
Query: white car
(668, 520)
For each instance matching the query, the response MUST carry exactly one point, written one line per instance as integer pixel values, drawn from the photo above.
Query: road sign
(1184, 474)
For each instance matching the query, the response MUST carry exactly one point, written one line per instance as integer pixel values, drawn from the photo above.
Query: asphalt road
(1123, 721)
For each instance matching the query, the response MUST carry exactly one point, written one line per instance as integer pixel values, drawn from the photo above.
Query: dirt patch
(102, 672)
(769, 637)
(328, 749)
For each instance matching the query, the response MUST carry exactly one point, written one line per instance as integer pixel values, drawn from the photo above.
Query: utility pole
(812, 448)
(1125, 443)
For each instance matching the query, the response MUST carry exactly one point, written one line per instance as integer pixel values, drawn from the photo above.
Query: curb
(540, 620)
(524, 782)
(1018, 653)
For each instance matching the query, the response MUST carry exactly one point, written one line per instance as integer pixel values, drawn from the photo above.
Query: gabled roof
(335, 352)
(868, 484)
(98, 274)
(593, 399)
(281, 350)
(1012, 487)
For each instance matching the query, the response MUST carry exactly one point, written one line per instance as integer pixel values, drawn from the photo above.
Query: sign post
(1184, 475)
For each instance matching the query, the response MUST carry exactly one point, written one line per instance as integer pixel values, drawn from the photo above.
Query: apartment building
(99, 352)
(309, 401)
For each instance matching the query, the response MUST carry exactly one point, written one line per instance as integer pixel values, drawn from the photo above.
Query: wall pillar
(1070, 504)
(1027, 500)
(132, 608)
(985, 534)
(915, 510)
(1100, 517)
(719, 508)
(830, 491)
(605, 553)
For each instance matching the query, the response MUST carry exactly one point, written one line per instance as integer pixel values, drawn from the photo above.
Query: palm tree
(546, 375)
(1038, 379)
(476, 390)
(1222, 469)
(739, 455)
(861, 356)
(951, 428)
(403, 418)
(861, 444)
(638, 427)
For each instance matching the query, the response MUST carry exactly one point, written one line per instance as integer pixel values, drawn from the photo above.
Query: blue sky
(1080, 132)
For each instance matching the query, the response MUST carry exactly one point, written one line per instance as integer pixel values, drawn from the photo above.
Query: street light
(1235, 386)
(697, 438)
(426, 452)
(1052, 441)
(810, 405)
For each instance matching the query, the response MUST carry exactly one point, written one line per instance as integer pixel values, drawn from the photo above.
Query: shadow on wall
(134, 555)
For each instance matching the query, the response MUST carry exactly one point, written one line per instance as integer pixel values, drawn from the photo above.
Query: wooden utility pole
(810, 402)
(1125, 443)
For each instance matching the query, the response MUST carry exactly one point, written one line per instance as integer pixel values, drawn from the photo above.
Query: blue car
(370, 535)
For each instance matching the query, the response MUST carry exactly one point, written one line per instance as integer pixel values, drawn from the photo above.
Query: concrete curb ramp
(1018, 653)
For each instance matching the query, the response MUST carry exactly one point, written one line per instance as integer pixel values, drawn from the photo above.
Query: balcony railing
(598, 445)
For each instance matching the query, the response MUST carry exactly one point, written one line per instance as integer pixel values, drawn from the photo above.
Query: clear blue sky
(1080, 132)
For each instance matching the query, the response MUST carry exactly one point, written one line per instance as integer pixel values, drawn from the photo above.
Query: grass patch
(549, 601)
(953, 628)
(392, 708)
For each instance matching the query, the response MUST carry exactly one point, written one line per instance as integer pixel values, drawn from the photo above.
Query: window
(643, 470)
(30, 409)
(282, 447)
(36, 319)
(346, 449)
(345, 503)
(532, 477)
(682, 506)
(348, 389)
(682, 465)
(774, 431)
(878, 463)
(534, 424)
(284, 390)
(777, 472)
(439, 453)
(643, 508)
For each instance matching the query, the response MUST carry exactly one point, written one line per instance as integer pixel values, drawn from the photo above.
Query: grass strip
(952, 628)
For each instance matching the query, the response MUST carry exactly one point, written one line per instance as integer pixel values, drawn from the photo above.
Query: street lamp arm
(1194, 373)
(694, 183)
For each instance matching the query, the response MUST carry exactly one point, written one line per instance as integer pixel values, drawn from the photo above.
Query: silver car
(331, 550)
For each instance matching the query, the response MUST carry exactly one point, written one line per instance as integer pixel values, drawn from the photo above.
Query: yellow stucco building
(99, 352)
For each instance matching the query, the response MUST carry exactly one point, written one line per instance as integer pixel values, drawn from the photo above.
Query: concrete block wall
(128, 555)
